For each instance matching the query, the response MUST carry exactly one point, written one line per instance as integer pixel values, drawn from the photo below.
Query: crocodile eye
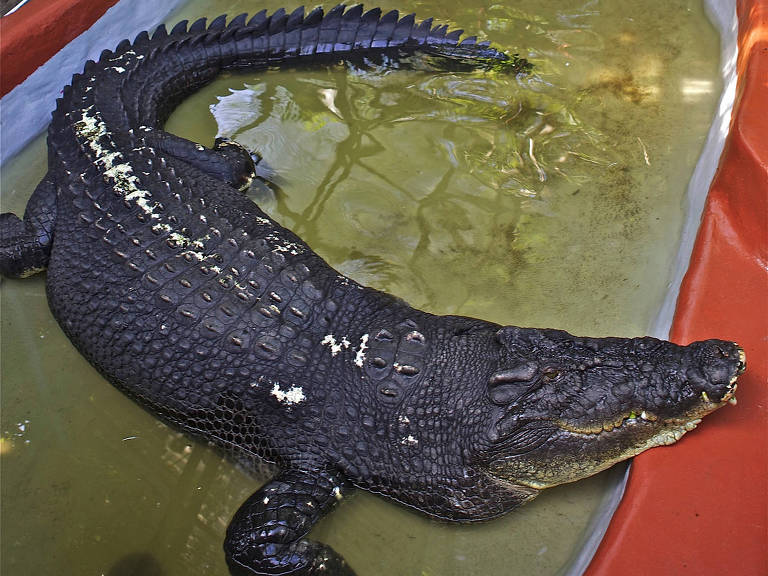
(550, 374)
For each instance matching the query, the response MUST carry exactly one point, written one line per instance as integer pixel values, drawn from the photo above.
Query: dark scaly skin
(192, 301)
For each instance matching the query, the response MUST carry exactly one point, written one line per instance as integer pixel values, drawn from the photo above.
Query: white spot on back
(293, 396)
(91, 128)
(336, 347)
(180, 239)
(282, 245)
(360, 356)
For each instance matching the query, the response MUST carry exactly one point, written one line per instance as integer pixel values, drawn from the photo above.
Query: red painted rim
(702, 507)
(35, 32)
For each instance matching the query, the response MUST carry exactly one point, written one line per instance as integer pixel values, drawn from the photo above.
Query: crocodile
(199, 306)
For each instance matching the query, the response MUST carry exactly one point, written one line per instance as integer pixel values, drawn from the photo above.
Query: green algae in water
(551, 200)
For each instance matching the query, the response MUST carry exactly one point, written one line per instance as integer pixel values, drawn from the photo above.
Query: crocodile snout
(714, 367)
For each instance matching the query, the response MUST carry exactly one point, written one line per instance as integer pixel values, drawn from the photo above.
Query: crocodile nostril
(711, 382)
(714, 367)
(723, 351)
(718, 375)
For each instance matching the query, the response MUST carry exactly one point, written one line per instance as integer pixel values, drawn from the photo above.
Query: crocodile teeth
(692, 424)
(742, 361)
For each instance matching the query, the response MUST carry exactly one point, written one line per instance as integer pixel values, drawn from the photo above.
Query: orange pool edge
(698, 508)
(34, 33)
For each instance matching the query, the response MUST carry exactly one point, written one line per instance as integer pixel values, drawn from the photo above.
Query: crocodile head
(569, 407)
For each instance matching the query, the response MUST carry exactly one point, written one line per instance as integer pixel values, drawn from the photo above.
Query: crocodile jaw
(593, 452)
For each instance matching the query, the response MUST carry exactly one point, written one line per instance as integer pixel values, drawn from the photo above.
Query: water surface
(553, 200)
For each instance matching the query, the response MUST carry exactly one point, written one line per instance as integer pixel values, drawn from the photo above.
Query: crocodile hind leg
(227, 160)
(256, 173)
(266, 535)
(25, 245)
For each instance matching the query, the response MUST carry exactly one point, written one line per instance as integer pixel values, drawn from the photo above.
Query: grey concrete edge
(722, 14)
(26, 110)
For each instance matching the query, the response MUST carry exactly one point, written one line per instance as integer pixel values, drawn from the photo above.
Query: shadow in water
(136, 564)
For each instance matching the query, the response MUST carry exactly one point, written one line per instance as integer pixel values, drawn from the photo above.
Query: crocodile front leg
(266, 535)
(25, 245)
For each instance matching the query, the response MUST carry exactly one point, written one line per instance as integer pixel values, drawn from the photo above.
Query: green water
(554, 200)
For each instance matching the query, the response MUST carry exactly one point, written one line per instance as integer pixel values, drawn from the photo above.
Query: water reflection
(468, 140)
(695, 88)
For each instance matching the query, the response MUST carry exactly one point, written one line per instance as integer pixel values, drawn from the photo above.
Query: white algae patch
(91, 128)
(122, 178)
(336, 347)
(360, 356)
(409, 441)
(294, 395)
(282, 245)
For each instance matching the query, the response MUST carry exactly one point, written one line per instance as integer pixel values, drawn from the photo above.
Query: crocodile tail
(279, 37)
(156, 71)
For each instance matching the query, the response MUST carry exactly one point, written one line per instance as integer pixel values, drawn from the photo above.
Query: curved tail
(154, 73)
(113, 109)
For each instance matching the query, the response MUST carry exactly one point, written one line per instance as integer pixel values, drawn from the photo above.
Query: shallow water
(551, 200)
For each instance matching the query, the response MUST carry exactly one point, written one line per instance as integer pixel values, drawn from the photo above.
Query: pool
(553, 200)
